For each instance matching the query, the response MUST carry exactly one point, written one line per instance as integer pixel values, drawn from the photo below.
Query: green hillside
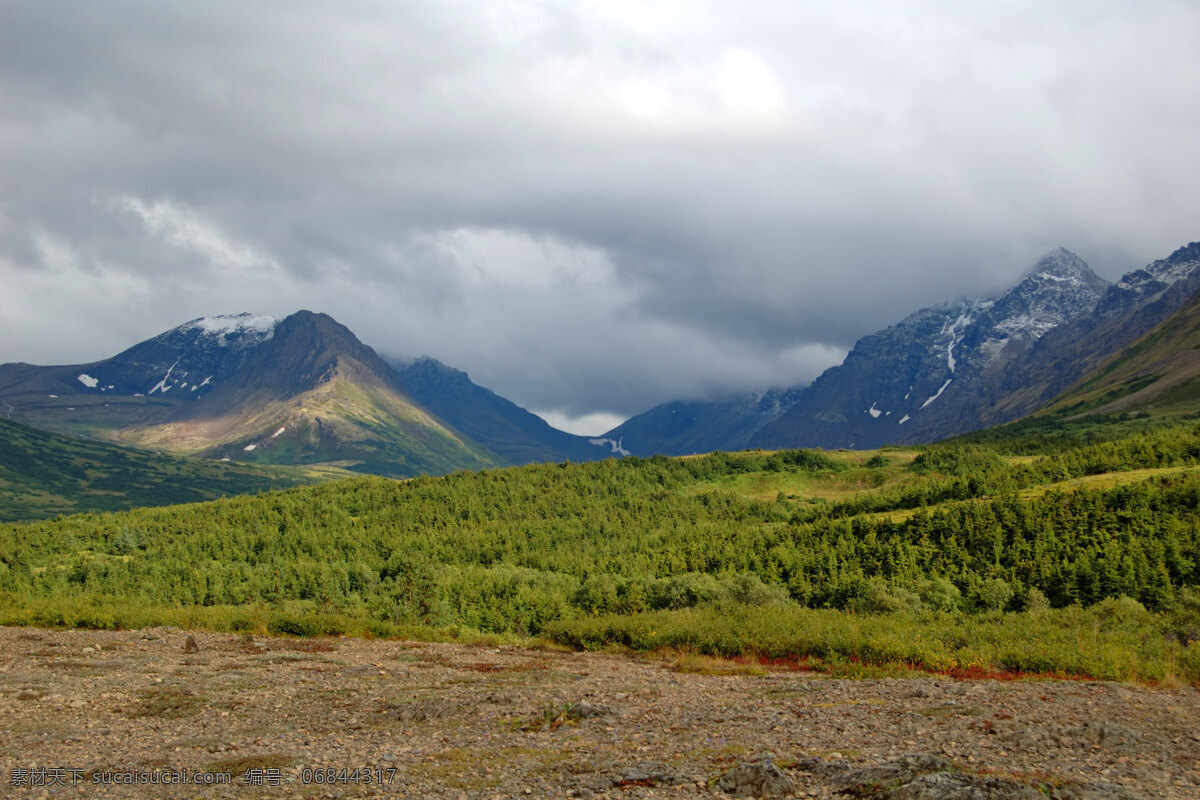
(726, 553)
(1158, 374)
(43, 474)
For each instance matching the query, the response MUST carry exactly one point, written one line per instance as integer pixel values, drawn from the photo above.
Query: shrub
(875, 596)
(995, 594)
(746, 589)
(1036, 600)
(940, 594)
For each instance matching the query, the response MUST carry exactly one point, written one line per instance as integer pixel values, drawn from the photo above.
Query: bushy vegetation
(43, 474)
(960, 543)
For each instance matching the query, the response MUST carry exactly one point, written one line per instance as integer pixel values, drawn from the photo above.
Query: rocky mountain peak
(1061, 263)
(1060, 287)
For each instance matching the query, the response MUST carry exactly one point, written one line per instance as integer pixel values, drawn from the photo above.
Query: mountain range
(943, 370)
(304, 390)
(299, 390)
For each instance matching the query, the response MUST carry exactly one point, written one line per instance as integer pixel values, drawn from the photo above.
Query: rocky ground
(351, 718)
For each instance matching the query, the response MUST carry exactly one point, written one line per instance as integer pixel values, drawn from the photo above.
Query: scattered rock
(961, 786)
(649, 776)
(868, 780)
(586, 710)
(755, 779)
(1093, 791)
(421, 710)
(190, 646)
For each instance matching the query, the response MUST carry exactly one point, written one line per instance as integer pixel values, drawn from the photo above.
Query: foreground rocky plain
(112, 714)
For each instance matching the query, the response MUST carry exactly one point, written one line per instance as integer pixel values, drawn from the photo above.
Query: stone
(961, 786)
(755, 779)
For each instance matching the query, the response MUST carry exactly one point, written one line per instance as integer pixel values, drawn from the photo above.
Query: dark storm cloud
(592, 207)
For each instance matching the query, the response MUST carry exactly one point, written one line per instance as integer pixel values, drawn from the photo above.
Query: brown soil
(323, 716)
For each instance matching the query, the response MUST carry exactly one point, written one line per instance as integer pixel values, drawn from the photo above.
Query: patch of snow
(1171, 274)
(903, 420)
(873, 411)
(87, 380)
(194, 388)
(906, 394)
(110, 386)
(249, 447)
(52, 395)
(138, 394)
(278, 432)
(226, 458)
(614, 444)
(204, 382)
(162, 385)
(957, 332)
(939, 393)
(256, 327)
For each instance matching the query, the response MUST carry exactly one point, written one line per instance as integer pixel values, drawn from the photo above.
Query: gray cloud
(591, 207)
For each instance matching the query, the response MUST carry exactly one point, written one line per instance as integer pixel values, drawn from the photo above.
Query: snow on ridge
(229, 323)
(1171, 274)
(255, 327)
(87, 380)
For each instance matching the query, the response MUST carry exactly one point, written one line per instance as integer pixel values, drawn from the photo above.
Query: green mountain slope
(1158, 374)
(43, 474)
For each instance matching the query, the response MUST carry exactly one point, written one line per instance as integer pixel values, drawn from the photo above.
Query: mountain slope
(682, 428)
(1158, 374)
(314, 393)
(506, 429)
(935, 373)
(301, 390)
(1129, 309)
(43, 474)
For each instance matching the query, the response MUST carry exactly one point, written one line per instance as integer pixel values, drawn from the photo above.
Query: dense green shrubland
(564, 548)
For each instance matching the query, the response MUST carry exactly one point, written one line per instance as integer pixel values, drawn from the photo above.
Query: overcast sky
(591, 207)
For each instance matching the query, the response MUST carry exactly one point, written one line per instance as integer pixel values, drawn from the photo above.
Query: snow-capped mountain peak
(244, 329)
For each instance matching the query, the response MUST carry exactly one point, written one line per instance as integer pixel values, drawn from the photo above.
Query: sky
(590, 206)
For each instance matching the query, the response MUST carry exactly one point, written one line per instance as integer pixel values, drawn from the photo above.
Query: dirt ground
(151, 714)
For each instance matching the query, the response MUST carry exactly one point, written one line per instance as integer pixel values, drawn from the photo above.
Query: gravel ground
(102, 714)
